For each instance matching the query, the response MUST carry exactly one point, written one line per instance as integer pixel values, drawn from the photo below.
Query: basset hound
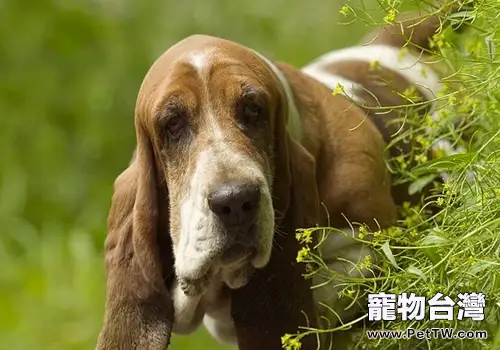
(234, 153)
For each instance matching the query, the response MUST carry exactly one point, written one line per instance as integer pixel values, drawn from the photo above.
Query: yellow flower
(290, 343)
(304, 236)
(402, 162)
(362, 232)
(285, 338)
(425, 143)
(295, 344)
(374, 65)
(421, 158)
(303, 254)
(344, 11)
(411, 93)
(339, 89)
(368, 260)
(391, 16)
(367, 263)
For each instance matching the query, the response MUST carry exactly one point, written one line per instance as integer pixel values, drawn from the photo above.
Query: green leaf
(434, 239)
(388, 252)
(420, 183)
(416, 271)
(432, 254)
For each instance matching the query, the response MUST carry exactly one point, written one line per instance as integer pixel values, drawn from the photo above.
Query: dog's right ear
(139, 311)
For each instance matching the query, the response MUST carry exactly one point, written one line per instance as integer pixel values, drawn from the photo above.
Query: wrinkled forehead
(203, 64)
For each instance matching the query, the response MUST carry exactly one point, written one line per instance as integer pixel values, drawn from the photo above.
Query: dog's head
(211, 176)
(214, 113)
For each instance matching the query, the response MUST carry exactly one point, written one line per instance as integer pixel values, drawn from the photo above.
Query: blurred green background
(70, 72)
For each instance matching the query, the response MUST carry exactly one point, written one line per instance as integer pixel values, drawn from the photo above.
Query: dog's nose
(235, 203)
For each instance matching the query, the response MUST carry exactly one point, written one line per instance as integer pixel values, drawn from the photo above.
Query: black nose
(235, 203)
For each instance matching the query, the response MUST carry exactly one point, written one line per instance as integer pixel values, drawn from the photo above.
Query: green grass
(70, 74)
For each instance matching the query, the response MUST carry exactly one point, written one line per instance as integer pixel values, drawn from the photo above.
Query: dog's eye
(250, 112)
(175, 126)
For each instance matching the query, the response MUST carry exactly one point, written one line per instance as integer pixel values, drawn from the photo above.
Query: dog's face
(211, 117)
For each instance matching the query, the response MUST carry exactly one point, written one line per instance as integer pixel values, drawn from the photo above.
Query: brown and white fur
(214, 116)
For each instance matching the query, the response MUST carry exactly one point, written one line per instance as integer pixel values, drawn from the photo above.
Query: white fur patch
(333, 80)
(199, 61)
(212, 309)
(198, 241)
(186, 318)
(389, 57)
(219, 322)
(222, 329)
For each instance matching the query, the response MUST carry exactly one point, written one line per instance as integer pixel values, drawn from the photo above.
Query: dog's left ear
(295, 192)
(278, 300)
(303, 211)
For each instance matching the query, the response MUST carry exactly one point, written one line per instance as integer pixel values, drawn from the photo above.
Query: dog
(235, 153)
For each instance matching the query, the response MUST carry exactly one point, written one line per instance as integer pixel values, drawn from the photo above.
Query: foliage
(457, 248)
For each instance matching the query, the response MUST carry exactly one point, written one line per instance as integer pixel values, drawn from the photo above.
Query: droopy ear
(304, 206)
(139, 310)
(285, 296)
(282, 173)
(294, 185)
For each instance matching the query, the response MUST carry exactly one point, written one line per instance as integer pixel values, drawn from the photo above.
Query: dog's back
(387, 74)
